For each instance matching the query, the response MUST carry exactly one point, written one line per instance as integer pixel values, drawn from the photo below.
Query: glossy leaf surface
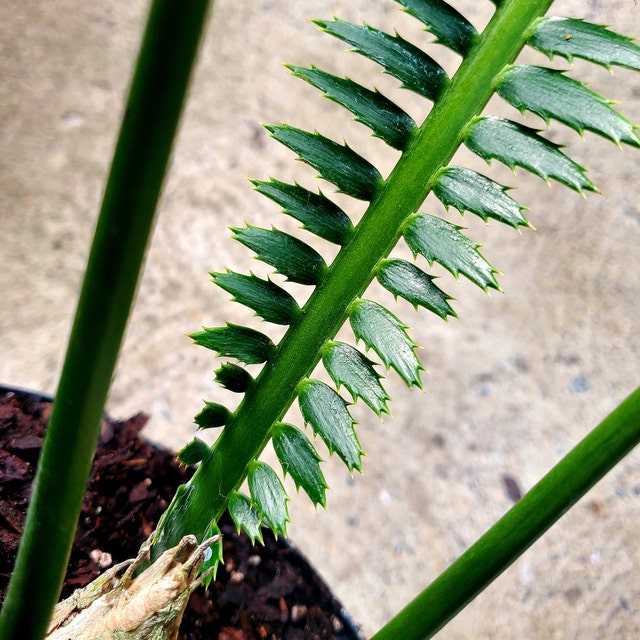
(383, 332)
(269, 496)
(386, 120)
(348, 367)
(449, 26)
(245, 344)
(329, 418)
(196, 451)
(551, 94)
(318, 214)
(336, 163)
(213, 557)
(233, 377)
(291, 257)
(413, 67)
(406, 280)
(516, 145)
(467, 190)
(440, 241)
(245, 516)
(575, 38)
(213, 415)
(267, 299)
(300, 460)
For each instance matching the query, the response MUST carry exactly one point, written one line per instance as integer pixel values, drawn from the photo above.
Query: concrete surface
(514, 383)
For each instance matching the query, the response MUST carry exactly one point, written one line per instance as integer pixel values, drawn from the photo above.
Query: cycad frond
(366, 249)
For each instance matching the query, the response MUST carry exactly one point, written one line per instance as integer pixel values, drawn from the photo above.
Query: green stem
(521, 526)
(205, 497)
(141, 157)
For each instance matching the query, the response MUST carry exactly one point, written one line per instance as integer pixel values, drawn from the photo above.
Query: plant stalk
(520, 527)
(156, 98)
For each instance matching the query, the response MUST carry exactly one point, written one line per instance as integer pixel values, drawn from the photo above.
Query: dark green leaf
(327, 414)
(213, 556)
(413, 67)
(348, 367)
(408, 281)
(245, 516)
(338, 164)
(440, 241)
(550, 94)
(316, 212)
(269, 496)
(245, 344)
(196, 451)
(233, 377)
(450, 28)
(291, 257)
(267, 299)
(514, 144)
(213, 415)
(300, 460)
(387, 121)
(572, 37)
(467, 190)
(381, 331)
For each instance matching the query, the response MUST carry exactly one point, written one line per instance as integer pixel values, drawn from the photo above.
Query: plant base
(260, 592)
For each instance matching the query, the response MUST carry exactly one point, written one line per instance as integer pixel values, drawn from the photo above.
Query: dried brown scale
(271, 595)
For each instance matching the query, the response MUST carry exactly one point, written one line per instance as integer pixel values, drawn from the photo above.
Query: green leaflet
(196, 451)
(575, 38)
(213, 415)
(245, 344)
(245, 516)
(300, 460)
(415, 69)
(451, 28)
(440, 241)
(467, 190)
(348, 367)
(318, 214)
(269, 496)
(387, 121)
(411, 283)
(213, 557)
(267, 299)
(291, 257)
(381, 331)
(337, 163)
(514, 144)
(327, 414)
(233, 377)
(551, 94)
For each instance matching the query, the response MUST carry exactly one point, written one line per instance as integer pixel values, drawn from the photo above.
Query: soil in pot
(261, 593)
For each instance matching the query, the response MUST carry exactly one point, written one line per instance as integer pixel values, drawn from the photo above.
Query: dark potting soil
(262, 592)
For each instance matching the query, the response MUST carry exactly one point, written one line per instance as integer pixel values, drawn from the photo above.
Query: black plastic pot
(343, 626)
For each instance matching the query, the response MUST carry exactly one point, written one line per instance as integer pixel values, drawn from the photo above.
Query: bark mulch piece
(261, 593)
